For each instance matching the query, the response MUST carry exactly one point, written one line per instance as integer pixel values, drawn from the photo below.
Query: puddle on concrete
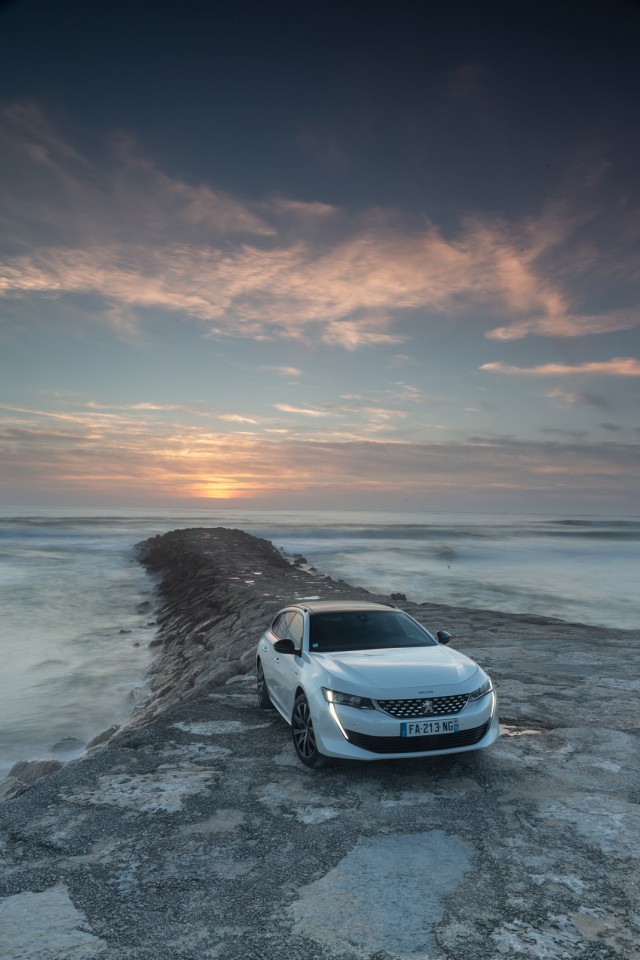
(612, 825)
(557, 938)
(210, 728)
(45, 925)
(162, 791)
(291, 798)
(385, 895)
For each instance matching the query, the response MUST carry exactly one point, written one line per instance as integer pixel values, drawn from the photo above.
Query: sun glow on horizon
(218, 489)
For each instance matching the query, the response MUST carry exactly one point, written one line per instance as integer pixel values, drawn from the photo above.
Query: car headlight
(482, 691)
(347, 699)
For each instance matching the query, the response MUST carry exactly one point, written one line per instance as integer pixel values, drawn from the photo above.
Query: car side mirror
(284, 646)
(443, 636)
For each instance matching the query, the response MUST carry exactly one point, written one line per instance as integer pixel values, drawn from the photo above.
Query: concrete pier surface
(193, 832)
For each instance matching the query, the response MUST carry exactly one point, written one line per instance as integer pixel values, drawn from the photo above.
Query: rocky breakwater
(218, 589)
(194, 832)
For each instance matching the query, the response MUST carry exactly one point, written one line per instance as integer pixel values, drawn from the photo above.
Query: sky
(344, 255)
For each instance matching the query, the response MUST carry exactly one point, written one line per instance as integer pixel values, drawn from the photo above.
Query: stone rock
(67, 743)
(31, 770)
(104, 736)
(11, 786)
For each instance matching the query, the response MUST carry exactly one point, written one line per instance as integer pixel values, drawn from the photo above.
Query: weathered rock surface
(218, 589)
(195, 833)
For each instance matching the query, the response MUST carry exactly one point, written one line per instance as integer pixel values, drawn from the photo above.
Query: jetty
(192, 832)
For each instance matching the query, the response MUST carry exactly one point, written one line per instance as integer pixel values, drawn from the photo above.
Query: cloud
(305, 411)
(78, 454)
(49, 188)
(140, 242)
(569, 434)
(236, 418)
(559, 322)
(306, 210)
(611, 427)
(617, 367)
(31, 134)
(571, 398)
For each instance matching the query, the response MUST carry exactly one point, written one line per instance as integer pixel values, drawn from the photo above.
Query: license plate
(424, 728)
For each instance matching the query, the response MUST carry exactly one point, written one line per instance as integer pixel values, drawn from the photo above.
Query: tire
(304, 741)
(264, 700)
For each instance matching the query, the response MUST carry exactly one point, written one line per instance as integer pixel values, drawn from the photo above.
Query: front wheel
(302, 734)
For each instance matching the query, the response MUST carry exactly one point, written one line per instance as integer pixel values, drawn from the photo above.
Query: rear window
(365, 630)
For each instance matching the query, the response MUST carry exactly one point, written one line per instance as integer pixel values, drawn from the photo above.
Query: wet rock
(104, 736)
(31, 770)
(67, 743)
(11, 786)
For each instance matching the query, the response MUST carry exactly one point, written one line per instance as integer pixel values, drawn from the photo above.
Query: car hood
(411, 670)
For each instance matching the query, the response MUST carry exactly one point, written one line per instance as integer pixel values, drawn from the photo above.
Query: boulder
(67, 743)
(31, 770)
(104, 736)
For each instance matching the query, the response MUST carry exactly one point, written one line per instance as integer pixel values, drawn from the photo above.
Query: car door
(268, 655)
(288, 666)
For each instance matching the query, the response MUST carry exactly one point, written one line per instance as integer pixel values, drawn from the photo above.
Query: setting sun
(216, 490)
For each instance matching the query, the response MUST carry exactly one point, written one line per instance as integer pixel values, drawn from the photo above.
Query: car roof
(341, 606)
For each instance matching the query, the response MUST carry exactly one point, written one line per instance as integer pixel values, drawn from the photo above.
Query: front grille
(424, 706)
(440, 741)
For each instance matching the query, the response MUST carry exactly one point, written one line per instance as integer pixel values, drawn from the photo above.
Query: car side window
(295, 629)
(280, 624)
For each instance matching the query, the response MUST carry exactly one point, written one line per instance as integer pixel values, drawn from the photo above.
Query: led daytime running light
(347, 699)
(482, 691)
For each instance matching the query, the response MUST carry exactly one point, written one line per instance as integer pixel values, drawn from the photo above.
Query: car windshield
(332, 632)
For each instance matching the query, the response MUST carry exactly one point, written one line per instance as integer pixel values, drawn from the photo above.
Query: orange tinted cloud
(305, 411)
(80, 452)
(617, 367)
(138, 239)
(236, 418)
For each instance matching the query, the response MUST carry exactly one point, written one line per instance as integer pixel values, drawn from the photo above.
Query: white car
(365, 681)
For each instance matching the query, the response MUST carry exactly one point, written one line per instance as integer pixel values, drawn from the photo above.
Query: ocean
(77, 616)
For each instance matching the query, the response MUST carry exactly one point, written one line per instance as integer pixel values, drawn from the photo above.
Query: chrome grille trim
(411, 709)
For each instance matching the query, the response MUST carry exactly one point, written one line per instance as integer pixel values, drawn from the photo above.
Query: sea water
(75, 622)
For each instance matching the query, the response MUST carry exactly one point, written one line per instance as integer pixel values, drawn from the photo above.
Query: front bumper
(351, 733)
